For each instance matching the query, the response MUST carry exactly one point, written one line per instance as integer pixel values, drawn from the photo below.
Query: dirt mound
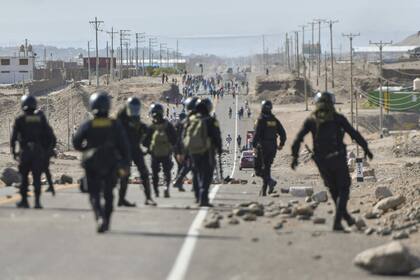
(281, 91)
(396, 121)
(68, 107)
(406, 145)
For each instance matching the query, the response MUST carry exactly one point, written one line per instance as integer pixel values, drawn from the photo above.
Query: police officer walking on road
(180, 151)
(328, 128)
(202, 139)
(180, 154)
(160, 142)
(106, 155)
(267, 129)
(136, 131)
(34, 135)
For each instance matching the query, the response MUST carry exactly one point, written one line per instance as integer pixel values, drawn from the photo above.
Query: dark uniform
(34, 135)
(161, 152)
(136, 132)
(330, 154)
(183, 163)
(267, 129)
(106, 153)
(204, 163)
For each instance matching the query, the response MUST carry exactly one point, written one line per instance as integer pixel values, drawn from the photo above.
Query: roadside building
(15, 69)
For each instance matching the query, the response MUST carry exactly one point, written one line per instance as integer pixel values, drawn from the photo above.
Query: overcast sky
(66, 23)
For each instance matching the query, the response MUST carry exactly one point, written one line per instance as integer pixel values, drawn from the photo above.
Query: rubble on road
(394, 258)
(382, 192)
(66, 179)
(213, 223)
(301, 191)
(389, 203)
(10, 176)
(321, 196)
(66, 157)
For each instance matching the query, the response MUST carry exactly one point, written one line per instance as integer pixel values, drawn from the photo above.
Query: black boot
(263, 191)
(37, 203)
(156, 189)
(349, 219)
(125, 203)
(23, 203)
(271, 184)
(166, 194)
(150, 201)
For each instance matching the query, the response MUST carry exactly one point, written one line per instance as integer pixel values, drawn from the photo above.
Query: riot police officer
(328, 128)
(136, 131)
(182, 155)
(34, 135)
(267, 129)
(160, 142)
(106, 155)
(179, 153)
(202, 140)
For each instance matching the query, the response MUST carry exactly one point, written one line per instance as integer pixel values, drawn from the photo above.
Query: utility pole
(123, 34)
(287, 52)
(297, 53)
(89, 74)
(97, 23)
(152, 43)
(177, 55)
(319, 21)
(161, 46)
(331, 22)
(139, 39)
(312, 47)
(351, 36)
(263, 53)
(326, 71)
(112, 52)
(381, 45)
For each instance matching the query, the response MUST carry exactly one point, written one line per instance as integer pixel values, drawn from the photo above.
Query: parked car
(247, 160)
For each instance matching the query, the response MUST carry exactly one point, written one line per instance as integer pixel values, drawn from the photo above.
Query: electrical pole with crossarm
(97, 23)
(330, 23)
(351, 37)
(381, 45)
(112, 52)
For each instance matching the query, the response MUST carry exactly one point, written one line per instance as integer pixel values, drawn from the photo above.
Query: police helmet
(190, 103)
(156, 110)
(182, 116)
(28, 103)
(99, 103)
(133, 107)
(266, 107)
(325, 97)
(204, 105)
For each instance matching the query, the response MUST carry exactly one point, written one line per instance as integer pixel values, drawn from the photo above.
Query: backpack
(196, 139)
(159, 144)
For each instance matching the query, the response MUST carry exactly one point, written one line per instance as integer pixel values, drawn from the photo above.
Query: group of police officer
(329, 151)
(110, 145)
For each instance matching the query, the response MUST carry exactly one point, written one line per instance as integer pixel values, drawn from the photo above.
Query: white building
(14, 69)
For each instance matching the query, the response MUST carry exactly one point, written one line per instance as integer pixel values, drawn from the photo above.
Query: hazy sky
(66, 23)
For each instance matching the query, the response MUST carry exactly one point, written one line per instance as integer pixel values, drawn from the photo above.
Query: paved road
(168, 241)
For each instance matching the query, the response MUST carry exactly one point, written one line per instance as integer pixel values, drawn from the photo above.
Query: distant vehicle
(249, 138)
(247, 160)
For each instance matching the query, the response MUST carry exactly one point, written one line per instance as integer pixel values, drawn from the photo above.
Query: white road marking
(236, 136)
(180, 268)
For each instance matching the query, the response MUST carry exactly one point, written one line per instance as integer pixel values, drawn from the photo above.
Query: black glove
(368, 154)
(295, 163)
